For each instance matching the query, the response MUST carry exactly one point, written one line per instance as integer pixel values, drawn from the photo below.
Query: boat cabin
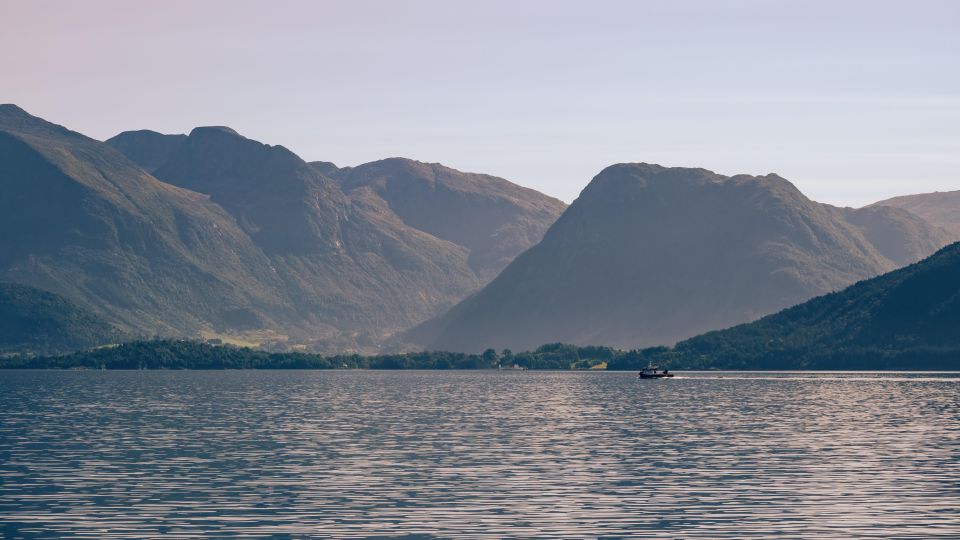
(654, 372)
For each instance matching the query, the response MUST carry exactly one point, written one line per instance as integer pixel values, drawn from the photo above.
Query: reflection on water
(478, 454)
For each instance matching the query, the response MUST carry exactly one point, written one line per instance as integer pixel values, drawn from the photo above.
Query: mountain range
(212, 234)
(219, 233)
(650, 255)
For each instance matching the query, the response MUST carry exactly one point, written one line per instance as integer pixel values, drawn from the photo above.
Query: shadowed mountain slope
(906, 319)
(940, 208)
(41, 322)
(492, 218)
(367, 250)
(348, 264)
(495, 220)
(649, 255)
(79, 219)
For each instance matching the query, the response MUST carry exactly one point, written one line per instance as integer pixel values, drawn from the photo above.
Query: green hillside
(905, 319)
(36, 321)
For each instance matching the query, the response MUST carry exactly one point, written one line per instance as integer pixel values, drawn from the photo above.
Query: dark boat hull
(657, 376)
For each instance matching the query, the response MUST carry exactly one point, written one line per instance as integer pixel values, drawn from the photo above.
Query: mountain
(146, 148)
(240, 237)
(495, 220)
(80, 220)
(906, 319)
(350, 266)
(940, 208)
(491, 218)
(649, 255)
(41, 322)
(896, 234)
(354, 253)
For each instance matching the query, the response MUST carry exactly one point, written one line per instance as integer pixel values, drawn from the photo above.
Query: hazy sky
(852, 101)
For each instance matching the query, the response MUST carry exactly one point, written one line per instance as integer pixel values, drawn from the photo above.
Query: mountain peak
(633, 179)
(639, 166)
(326, 168)
(400, 164)
(636, 181)
(214, 129)
(141, 133)
(147, 148)
(19, 122)
(10, 108)
(15, 118)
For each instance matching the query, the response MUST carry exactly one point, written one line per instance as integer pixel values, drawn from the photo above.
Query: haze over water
(478, 455)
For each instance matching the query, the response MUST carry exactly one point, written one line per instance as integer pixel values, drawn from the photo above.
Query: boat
(514, 367)
(654, 372)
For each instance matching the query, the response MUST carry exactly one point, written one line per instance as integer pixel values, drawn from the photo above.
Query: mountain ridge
(227, 235)
(82, 221)
(212, 231)
(490, 217)
(941, 208)
(650, 255)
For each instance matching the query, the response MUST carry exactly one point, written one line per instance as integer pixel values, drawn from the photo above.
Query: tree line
(182, 354)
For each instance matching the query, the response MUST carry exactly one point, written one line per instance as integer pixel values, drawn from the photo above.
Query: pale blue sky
(852, 101)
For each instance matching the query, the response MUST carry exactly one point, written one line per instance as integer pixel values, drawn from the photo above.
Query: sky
(852, 101)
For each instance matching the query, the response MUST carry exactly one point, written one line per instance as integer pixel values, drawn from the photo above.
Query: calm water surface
(478, 455)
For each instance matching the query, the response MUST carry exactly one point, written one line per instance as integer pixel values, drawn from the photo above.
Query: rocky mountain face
(941, 208)
(649, 255)
(229, 235)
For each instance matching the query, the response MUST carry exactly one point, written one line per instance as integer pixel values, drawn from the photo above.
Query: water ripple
(478, 455)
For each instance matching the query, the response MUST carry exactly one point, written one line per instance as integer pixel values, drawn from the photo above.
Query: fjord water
(478, 454)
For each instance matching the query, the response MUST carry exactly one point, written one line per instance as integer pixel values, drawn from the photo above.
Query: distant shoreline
(170, 355)
(494, 370)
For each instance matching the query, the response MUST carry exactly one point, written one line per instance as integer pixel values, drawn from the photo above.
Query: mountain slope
(372, 249)
(495, 220)
(941, 208)
(79, 219)
(238, 237)
(41, 322)
(908, 318)
(649, 255)
(492, 218)
(896, 234)
(146, 148)
(350, 265)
